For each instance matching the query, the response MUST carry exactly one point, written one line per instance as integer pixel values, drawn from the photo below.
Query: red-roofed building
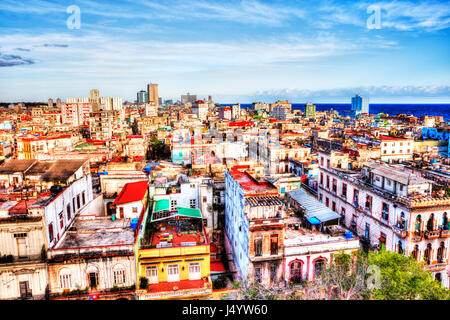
(395, 148)
(217, 268)
(132, 200)
(241, 124)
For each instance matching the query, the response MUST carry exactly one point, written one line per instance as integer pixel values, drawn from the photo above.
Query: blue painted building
(254, 225)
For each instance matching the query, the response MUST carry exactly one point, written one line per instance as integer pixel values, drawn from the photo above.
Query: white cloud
(367, 91)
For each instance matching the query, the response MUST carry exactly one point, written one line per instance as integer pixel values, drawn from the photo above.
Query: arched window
(418, 224)
(65, 278)
(295, 268)
(427, 253)
(92, 277)
(319, 265)
(445, 224)
(400, 247)
(119, 274)
(440, 252)
(430, 223)
(402, 222)
(415, 252)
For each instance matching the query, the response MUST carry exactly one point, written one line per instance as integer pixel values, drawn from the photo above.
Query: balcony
(416, 236)
(435, 266)
(400, 232)
(432, 234)
(445, 233)
(10, 259)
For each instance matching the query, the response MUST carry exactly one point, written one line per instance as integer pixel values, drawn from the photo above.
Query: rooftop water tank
(134, 223)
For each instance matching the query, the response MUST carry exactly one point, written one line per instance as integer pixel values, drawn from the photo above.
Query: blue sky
(236, 51)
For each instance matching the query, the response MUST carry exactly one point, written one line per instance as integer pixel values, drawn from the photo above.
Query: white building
(379, 204)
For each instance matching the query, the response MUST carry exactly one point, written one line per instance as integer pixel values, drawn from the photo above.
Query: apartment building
(254, 226)
(389, 209)
(393, 148)
(172, 253)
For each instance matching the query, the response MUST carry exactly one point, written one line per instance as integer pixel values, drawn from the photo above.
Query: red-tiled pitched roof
(133, 191)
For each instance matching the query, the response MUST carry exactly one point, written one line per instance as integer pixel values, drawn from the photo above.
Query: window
(258, 247)
(25, 290)
(258, 274)
(173, 273)
(151, 273)
(121, 212)
(135, 209)
(320, 197)
(192, 204)
(333, 206)
(356, 197)
(382, 241)
(65, 279)
(273, 273)
(321, 161)
(344, 190)
(20, 235)
(334, 186)
(274, 244)
(173, 205)
(61, 220)
(369, 203)
(328, 182)
(78, 202)
(50, 232)
(68, 212)
(321, 178)
(194, 271)
(73, 205)
(328, 163)
(367, 231)
(327, 202)
(119, 277)
(318, 267)
(83, 198)
(385, 211)
(192, 186)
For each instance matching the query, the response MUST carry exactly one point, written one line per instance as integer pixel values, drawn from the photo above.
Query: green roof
(187, 212)
(162, 205)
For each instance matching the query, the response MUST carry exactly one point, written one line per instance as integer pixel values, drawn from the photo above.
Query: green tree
(157, 150)
(344, 279)
(384, 275)
(403, 278)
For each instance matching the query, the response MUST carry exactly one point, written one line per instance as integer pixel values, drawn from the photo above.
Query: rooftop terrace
(90, 231)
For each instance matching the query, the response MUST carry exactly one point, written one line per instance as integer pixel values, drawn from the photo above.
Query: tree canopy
(384, 275)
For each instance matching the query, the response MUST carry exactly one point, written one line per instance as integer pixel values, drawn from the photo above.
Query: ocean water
(391, 109)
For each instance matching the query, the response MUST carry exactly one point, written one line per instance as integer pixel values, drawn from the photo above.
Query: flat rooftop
(98, 232)
(304, 237)
(249, 184)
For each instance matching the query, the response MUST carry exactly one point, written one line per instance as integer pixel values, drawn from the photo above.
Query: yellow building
(172, 254)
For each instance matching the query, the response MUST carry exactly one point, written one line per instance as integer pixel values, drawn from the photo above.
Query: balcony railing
(15, 259)
(445, 233)
(416, 236)
(434, 266)
(432, 234)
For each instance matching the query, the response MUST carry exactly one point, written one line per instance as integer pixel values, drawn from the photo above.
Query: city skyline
(239, 51)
